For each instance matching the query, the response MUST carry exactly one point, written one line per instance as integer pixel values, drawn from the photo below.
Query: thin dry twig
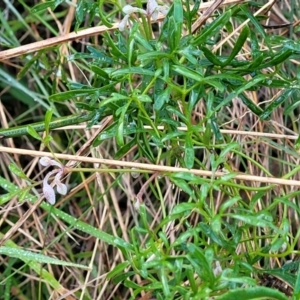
(54, 41)
(151, 167)
(184, 128)
(206, 15)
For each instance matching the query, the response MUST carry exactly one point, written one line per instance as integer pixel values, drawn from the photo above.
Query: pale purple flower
(47, 161)
(153, 9)
(61, 187)
(128, 10)
(48, 190)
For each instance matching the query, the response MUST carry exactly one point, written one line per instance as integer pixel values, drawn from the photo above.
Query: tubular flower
(153, 9)
(128, 10)
(48, 189)
(152, 12)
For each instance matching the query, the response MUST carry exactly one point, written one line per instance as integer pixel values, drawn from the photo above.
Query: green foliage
(146, 79)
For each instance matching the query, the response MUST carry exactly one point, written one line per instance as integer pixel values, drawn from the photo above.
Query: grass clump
(183, 182)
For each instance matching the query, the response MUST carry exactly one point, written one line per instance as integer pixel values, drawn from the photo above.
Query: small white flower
(48, 189)
(47, 161)
(137, 205)
(128, 10)
(218, 269)
(60, 187)
(153, 9)
(123, 23)
(49, 193)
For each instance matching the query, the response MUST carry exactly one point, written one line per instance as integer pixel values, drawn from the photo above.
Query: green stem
(40, 126)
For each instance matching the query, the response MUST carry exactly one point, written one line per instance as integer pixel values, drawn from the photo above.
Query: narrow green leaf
(43, 6)
(252, 293)
(189, 152)
(238, 45)
(132, 70)
(211, 57)
(120, 128)
(251, 105)
(71, 94)
(275, 103)
(143, 42)
(257, 79)
(279, 58)
(9, 196)
(162, 98)
(117, 270)
(178, 19)
(31, 131)
(228, 148)
(16, 170)
(182, 184)
(153, 55)
(28, 65)
(199, 262)
(99, 55)
(48, 118)
(114, 49)
(183, 208)
(297, 285)
(212, 28)
(262, 219)
(257, 25)
(173, 110)
(187, 72)
(43, 274)
(102, 15)
(123, 150)
(26, 255)
(99, 71)
(215, 237)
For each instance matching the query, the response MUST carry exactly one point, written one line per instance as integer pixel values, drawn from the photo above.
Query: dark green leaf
(212, 28)
(198, 260)
(132, 70)
(117, 270)
(251, 105)
(43, 6)
(72, 94)
(183, 208)
(252, 293)
(275, 103)
(102, 14)
(182, 184)
(162, 98)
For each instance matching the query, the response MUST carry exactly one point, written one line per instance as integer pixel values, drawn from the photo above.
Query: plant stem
(40, 126)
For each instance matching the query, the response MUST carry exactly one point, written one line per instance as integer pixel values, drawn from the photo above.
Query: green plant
(168, 92)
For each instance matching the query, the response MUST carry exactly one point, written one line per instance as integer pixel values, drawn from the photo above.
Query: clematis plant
(48, 189)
